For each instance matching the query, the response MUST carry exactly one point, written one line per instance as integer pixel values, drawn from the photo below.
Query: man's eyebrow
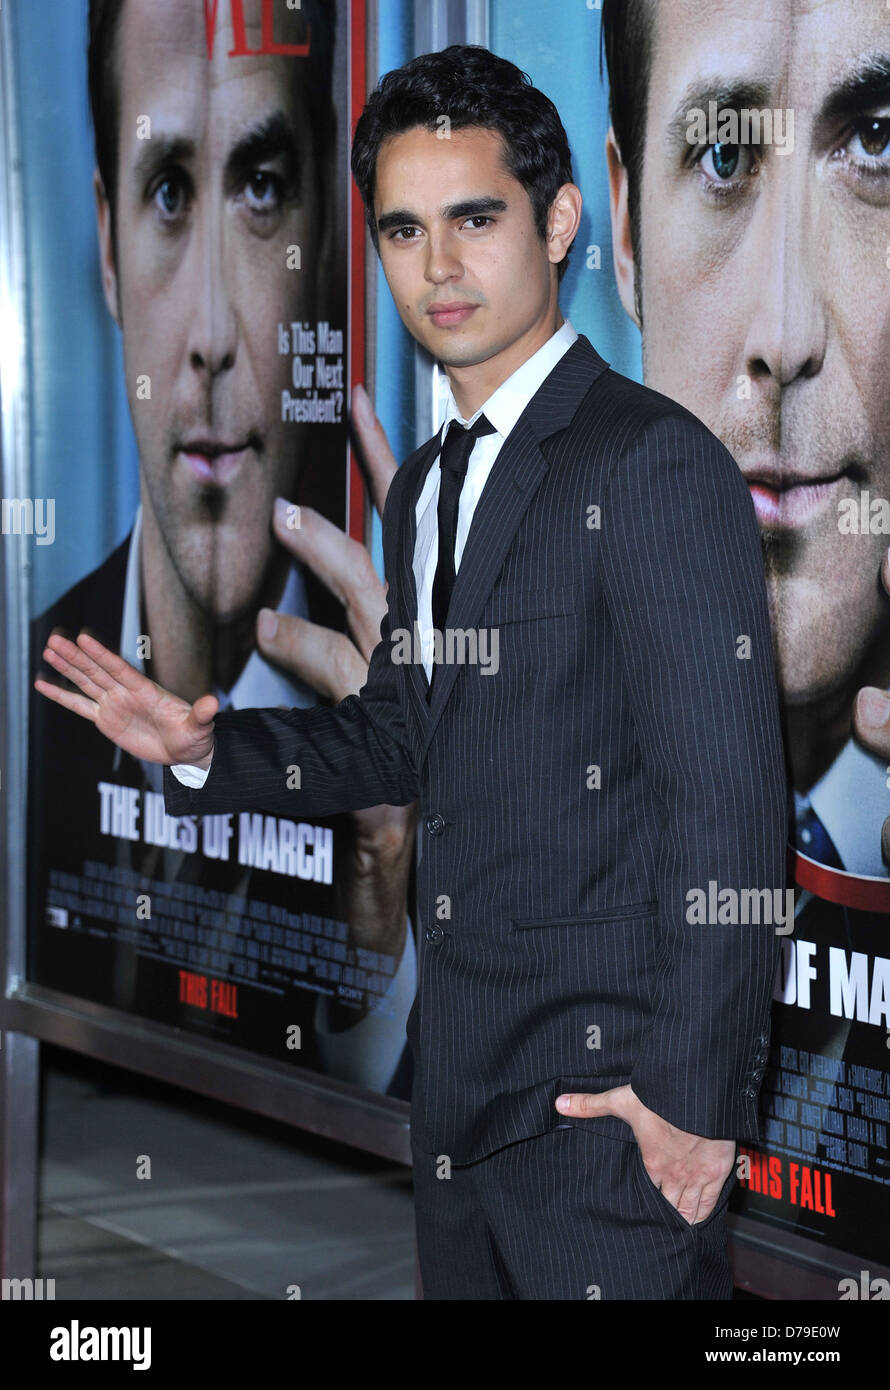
(473, 207)
(867, 84)
(273, 137)
(159, 153)
(468, 207)
(730, 96)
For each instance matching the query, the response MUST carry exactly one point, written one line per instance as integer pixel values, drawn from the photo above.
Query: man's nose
(213, 332)
(788, 329)
(442, 261)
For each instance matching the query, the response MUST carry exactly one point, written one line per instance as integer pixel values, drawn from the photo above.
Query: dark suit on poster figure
(627, 750)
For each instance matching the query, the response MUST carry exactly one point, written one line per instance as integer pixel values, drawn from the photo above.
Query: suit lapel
(510, 487)
(515, 477)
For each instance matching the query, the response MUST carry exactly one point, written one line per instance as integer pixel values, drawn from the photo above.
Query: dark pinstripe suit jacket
(625, 752)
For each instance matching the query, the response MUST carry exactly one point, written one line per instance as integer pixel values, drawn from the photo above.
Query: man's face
(207, 207)
(771, 269)
(469, 273)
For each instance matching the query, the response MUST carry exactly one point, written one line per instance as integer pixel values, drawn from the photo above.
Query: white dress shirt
(502, 409)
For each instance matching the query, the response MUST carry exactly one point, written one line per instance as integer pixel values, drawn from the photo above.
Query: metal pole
(19, 1054)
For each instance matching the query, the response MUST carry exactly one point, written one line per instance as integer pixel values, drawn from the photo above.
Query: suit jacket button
(749, 1091)
(434, 935)
(435, 823)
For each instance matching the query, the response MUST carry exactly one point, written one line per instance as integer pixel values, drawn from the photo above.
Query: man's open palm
(134, 712)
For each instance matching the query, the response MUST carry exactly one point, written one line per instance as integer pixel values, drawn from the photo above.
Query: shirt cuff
(189, 775)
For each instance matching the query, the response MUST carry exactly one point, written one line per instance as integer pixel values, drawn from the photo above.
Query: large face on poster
(222, 197)
(760, 219)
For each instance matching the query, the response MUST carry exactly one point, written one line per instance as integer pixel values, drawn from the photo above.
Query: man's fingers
(69, 698)
(91, 659)
(707, 1199)
(871, 719)
(318, 543)
(71, 658)
(687, 1200)
(205, 709)
(108, 663)
(694, 1201)
(871, 726)
(342, 564)
(581, 1104)
(326, 660)
(72, 673)
(378, 457)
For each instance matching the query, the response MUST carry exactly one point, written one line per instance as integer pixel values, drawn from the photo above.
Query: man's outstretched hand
(134, 712)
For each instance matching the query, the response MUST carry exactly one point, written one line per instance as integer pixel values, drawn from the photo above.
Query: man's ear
(563, 221)
(106, 248)
(622, 245)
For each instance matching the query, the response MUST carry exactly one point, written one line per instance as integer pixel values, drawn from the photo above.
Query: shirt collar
(505, 405)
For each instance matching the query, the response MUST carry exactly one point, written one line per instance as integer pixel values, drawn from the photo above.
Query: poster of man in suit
(749, 197)
(222, 205)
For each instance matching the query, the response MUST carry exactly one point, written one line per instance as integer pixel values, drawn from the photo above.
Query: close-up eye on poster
(445, 629)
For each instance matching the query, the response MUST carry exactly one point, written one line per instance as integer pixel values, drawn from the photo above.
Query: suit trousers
(570, 1214)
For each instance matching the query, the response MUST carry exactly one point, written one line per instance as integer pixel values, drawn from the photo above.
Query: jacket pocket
(517, 605)
(619, 913)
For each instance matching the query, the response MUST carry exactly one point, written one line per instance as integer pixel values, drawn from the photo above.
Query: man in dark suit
(575, 678)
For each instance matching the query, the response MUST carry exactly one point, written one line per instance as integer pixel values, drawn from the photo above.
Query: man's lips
(213, 460)
(785, 498)
(447, 315)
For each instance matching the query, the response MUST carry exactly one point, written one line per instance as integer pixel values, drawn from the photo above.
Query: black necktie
(453, 461)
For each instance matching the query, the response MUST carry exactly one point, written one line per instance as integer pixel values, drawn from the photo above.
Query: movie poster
(227, 257)
(749, 225)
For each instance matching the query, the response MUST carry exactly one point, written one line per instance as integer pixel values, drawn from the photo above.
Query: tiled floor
(235, 1208)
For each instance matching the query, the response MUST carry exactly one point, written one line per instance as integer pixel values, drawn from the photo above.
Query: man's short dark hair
(626, 36)
(104, 22)
(104, 87)
(472, 87)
